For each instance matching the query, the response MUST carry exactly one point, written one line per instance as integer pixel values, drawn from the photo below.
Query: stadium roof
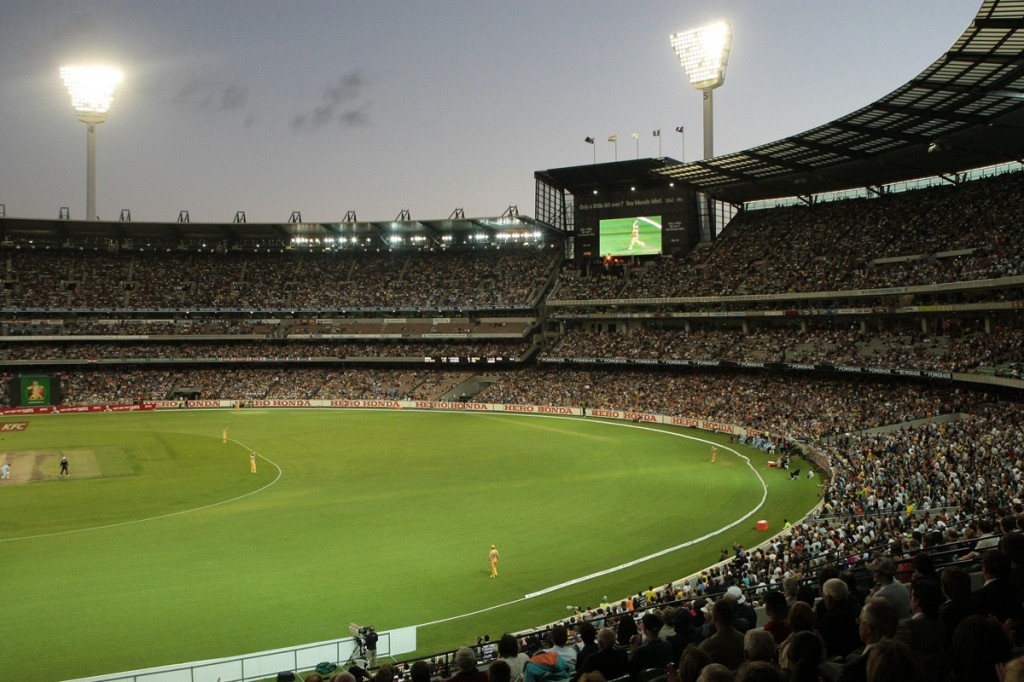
(271, 235)
(965, 111)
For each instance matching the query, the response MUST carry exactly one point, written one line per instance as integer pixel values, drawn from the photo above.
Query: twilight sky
(427, 105)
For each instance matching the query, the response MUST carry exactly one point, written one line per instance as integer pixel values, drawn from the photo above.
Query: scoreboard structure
(34, 390)
(619, 209)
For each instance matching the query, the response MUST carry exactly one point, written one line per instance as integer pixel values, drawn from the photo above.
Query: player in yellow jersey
(492, 557)
(714, 453)
(252, 462)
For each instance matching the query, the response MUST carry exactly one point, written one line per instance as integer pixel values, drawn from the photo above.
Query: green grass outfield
(163, 548)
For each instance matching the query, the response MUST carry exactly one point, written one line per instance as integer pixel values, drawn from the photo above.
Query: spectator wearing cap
(648, 650)
(687, 632)
(883, 572)
(746, 616)
(777, 611)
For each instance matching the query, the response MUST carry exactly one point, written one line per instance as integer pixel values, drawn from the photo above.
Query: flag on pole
(613, 138)
(657, 133)
(679, 129)
(636, 136)
(588, 140)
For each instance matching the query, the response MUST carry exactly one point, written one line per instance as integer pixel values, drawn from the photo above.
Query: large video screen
(34, 391)
(636, 236)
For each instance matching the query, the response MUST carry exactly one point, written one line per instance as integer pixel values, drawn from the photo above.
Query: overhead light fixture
(91, 88)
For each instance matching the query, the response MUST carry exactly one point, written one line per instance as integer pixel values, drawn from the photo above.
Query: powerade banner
(35, 391)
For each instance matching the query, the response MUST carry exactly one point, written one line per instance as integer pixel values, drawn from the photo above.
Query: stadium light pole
(92, 90)
(704, 54)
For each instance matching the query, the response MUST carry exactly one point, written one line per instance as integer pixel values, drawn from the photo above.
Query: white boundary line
(531, 595)
(634, 562)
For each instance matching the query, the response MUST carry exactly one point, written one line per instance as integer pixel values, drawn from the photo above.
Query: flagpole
(682, 142)
(636, 136)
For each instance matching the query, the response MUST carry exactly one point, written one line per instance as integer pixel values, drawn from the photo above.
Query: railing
(266, 664)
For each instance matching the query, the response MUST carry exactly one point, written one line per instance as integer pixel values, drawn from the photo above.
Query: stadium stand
(115, 307)
(875, 341)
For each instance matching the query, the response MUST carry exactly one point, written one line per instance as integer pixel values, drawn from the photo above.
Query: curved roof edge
(965, 111)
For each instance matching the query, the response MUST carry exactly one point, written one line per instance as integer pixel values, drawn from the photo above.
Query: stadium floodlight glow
(704, 54)
(91, 88)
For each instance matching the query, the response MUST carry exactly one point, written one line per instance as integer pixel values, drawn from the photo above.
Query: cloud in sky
(212, 95)
(343, 102)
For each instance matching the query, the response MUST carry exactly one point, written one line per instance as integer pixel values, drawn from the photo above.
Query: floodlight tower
(92, 90)
(704, 54)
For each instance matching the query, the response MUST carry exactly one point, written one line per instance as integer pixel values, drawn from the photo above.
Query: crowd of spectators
(271, 328)
(837, 246)
(261, 350)
(840, 345)
(892, 488)
(61, 279)
(107, 385)
(890, 492)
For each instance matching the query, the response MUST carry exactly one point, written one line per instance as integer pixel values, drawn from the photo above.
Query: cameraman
(370, 640)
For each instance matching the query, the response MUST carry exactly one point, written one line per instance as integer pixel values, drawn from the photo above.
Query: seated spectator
(801, 656)
(746, 616)
(465, 665)
(997, 598)
(649, 650)
(760, 671)
(837, 623)
(893, 661)
(878, 621)
(956, 588)
(725, 646)
(508, 651)
(588, 639)
(980, 648)
(609, 660)
(687, 633)
(776, 609)
(883, 572)
(759, 645)
(499, 671)
(691, 663)
(560, 640)
(925, 632)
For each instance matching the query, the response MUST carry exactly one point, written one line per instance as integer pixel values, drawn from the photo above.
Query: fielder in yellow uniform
(492, 557)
